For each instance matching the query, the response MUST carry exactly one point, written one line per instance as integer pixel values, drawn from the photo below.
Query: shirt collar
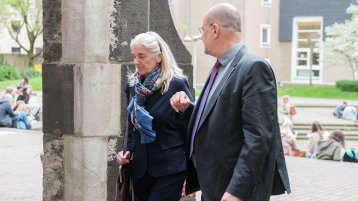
(230, 54)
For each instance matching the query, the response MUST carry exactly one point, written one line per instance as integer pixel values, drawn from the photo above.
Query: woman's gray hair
(156, 45)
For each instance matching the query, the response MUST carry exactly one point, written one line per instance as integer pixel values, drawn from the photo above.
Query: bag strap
(125, 143)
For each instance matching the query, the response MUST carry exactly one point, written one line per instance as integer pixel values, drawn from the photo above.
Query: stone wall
(19, 61)
(86, 61)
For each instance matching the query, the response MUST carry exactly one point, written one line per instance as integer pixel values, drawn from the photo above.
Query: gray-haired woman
(156, 143)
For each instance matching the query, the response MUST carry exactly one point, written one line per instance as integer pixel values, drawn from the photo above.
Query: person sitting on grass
(330, 149)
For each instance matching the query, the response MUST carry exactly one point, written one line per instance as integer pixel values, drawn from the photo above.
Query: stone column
(86, 60)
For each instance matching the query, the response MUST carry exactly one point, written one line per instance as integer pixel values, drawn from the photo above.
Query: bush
(347, 85)
(8, 72)
(30, 72)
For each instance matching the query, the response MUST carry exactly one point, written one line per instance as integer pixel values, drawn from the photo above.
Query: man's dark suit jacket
(238, 145)
(164, 156)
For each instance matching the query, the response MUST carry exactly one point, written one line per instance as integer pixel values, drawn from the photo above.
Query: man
(234, 147)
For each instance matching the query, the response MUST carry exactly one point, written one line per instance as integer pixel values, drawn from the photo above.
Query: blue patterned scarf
(141, 118)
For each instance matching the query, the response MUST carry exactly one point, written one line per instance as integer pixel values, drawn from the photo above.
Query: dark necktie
(202, 105)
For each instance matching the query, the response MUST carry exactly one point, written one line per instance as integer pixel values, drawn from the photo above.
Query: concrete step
(349, 123)
(328, 128)
(346, 133)
(347, 138)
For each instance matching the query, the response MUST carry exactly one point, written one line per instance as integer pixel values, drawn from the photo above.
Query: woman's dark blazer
(166, 155)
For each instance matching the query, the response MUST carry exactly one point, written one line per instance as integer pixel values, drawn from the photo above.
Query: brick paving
(314, 180)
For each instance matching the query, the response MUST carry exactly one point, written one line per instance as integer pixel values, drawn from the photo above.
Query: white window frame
(266, 3)
(295, 49)
(268, 42)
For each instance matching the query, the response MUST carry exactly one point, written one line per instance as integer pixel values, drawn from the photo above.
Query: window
(265, 35)
(266, 2)
(15, 50)
(307, 34)
(15, 25)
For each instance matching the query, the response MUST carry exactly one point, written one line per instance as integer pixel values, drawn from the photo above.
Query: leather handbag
(296, 153)
(125, 189)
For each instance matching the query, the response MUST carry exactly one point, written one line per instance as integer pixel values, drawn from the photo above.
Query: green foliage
(330, 92)
(2, 59)
(30, 72)
(347, 85)
(8, 72)
(36, 83)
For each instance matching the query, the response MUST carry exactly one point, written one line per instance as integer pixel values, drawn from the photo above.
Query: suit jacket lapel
(211, 102)
(195, 110)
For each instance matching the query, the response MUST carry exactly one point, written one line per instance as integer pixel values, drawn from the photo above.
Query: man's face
(206, 35)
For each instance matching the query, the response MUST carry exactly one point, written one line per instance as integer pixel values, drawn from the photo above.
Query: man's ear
(216, 30)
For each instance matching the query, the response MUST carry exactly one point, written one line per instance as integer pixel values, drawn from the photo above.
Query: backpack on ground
(351, 155)
(292, 110)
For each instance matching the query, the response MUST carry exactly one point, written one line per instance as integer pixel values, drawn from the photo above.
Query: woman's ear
(160, 57)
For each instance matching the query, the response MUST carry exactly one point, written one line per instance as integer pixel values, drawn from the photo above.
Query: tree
(341, 45)
(16, 14)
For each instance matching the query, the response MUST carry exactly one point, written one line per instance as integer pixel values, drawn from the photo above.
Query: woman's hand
(123, 159)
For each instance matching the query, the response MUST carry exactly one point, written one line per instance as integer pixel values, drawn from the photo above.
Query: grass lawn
(36, 83)
(329, 92)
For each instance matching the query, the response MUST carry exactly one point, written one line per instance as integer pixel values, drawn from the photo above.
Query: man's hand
(228, 197)
(180, 101)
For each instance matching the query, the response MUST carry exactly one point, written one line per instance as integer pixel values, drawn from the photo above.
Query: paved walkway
(20, 165)
(21, 168)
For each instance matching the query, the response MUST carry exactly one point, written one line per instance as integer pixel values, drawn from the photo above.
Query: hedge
(8, 72)
(347, 85)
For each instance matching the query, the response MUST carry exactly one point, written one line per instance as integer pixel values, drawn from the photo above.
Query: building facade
(277, 30)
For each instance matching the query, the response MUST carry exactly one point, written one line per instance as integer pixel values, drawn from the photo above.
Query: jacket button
(133, 129)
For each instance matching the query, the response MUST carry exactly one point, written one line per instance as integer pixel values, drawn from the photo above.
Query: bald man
(234, 147)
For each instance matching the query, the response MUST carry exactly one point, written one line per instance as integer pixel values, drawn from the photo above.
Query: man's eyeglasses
(201, 28)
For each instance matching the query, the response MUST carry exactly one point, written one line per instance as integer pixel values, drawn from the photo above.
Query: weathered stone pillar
(86, 60)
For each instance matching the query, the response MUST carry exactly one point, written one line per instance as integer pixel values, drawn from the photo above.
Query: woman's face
(144, 60)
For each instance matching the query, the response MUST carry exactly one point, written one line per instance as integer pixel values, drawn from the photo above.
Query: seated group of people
(345, 111)
(321, 144)
(18, 114)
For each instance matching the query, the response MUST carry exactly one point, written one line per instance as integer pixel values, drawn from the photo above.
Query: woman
(25, 96)
(317, 134)
(288, 139)
(155, 143)
(330, 149)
